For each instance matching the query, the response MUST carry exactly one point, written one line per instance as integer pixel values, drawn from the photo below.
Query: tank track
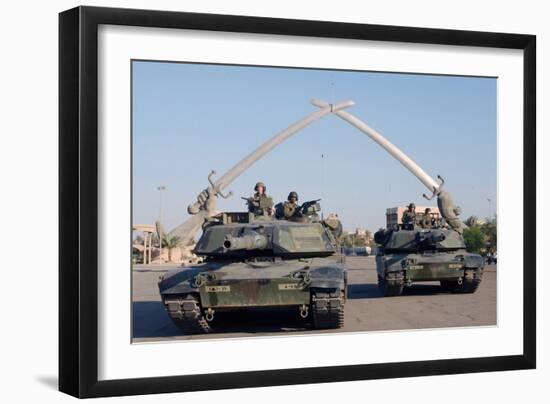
(470, 283)
(391, 284)
(185, 312)
(472, 279)
(327, 309)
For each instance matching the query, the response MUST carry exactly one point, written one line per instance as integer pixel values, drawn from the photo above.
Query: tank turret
(419, 240)
(235, 236)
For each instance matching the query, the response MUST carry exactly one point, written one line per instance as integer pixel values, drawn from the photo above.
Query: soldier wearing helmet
(409, 217)
(260, 203)
(427, 220)
(291, 207)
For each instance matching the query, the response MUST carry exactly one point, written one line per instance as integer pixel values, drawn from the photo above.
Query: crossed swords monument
(205, 205)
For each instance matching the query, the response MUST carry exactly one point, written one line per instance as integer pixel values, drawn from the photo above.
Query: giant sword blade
(206, 200)
(445, 203)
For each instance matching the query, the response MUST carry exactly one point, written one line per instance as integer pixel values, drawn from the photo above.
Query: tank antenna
(322, 182)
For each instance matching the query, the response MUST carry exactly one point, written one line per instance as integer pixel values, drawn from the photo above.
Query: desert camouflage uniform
(290, 209)
(260, 204)
(408, 219)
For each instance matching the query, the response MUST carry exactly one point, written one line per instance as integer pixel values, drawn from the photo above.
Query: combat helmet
(260, 184)
(293, 194)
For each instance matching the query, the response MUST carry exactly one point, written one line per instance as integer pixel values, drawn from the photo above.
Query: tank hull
(428, 267)
(264, 292)
(458, 272)
(213, 288)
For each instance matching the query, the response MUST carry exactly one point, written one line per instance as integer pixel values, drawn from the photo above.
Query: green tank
(259, 262)
(437, 254)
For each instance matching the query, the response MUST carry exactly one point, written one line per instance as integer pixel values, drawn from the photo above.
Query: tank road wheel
(391, 284)
(185, 312)
(327, 309)
(470, 283)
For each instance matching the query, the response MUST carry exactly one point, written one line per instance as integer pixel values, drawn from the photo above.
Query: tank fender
(180, 288)
(329, 277)
(393, 263)
(473, 261)
(328, 284)
(179, 281)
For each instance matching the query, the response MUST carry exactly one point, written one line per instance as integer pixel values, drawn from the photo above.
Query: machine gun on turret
(310, 208)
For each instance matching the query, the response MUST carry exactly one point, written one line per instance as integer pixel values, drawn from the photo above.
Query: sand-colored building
(147, 250)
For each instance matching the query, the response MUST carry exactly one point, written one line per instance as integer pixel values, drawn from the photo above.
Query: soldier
(409, 217)
(291, 207)
(260, 203)
(427, 220)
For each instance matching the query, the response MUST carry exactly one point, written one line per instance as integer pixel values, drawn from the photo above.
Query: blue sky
(191, 118)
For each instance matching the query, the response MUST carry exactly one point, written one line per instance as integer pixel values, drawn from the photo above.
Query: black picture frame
(78, 200)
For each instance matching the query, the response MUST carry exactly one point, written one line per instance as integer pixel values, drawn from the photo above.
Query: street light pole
(160, 188)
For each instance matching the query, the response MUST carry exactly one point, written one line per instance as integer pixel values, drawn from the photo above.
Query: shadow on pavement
(150, 320)
(425, 290)
(363, 291)
(371, 291)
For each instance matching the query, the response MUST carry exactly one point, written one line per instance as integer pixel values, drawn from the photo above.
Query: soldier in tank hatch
(290, 206)
(260, 203)
(409, 217)
(427, 221)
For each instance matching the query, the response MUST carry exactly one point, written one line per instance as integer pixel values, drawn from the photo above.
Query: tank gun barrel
(246, 242)
(432, 238)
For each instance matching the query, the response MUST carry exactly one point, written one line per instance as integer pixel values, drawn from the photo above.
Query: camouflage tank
(436, 254)
(259, 262)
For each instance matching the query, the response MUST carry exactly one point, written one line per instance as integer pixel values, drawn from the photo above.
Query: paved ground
(423, 305)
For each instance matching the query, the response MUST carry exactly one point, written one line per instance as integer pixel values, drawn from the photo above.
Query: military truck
(255, 261)
(434, 254)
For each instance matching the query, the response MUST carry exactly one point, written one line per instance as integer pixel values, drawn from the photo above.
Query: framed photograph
(250, 201)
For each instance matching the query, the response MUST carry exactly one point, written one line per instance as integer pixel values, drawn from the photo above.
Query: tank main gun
(246, 242)
(430, 239)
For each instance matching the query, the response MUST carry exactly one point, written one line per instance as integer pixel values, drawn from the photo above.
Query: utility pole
(160, 188)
